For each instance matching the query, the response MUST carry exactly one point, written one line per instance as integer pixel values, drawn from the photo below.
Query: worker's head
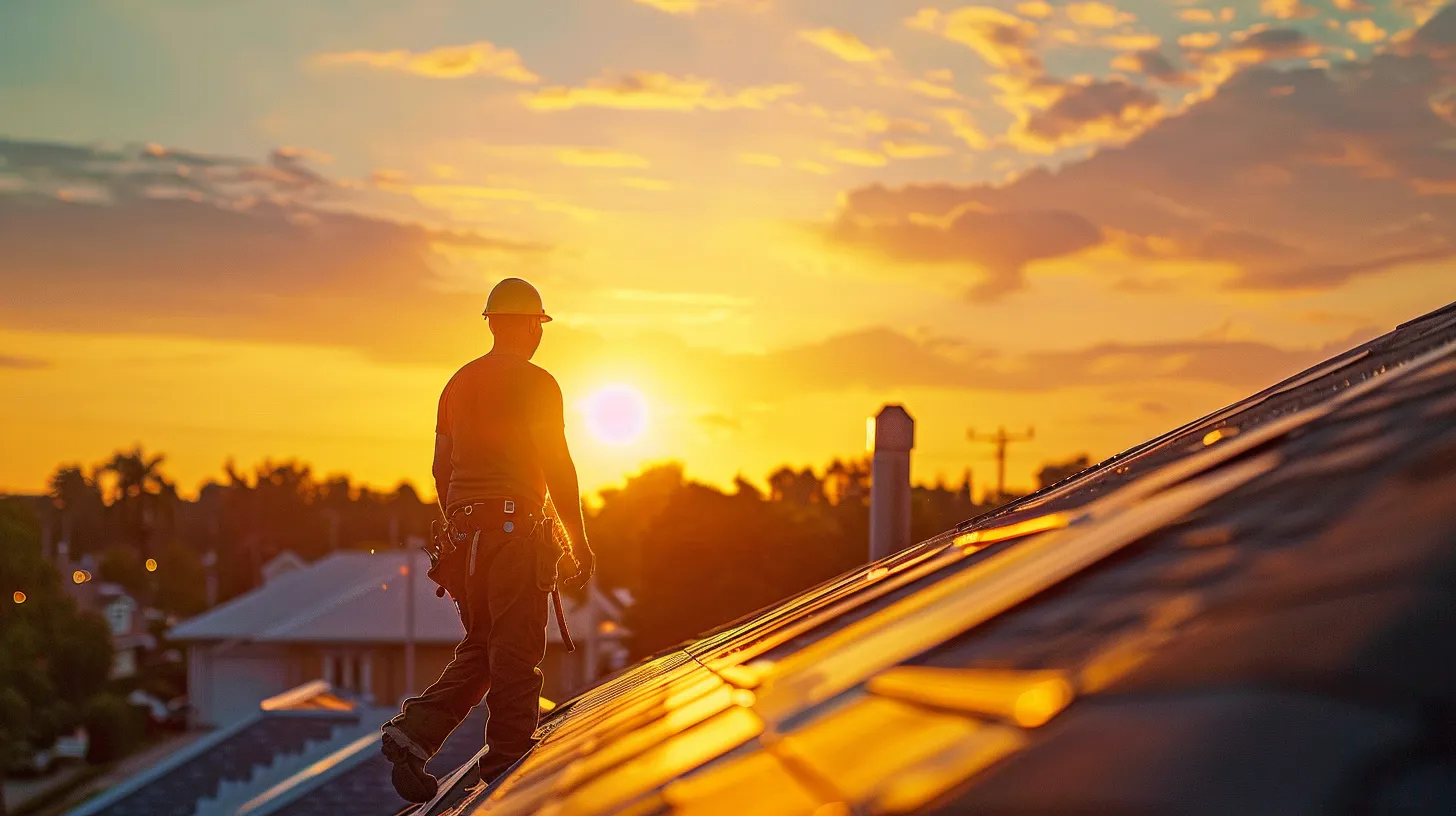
(516, 314)
(517, 333)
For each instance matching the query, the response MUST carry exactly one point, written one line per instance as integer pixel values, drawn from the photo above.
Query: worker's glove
(586, 567)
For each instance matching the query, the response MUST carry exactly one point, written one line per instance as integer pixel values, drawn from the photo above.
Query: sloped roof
(282, 728)
(349, 596)
(1251, 613)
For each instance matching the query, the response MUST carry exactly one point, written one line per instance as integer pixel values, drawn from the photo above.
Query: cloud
(674, 6)
(846, 46)
(23, 363)
(1285, 178)
(995, 246)
(646, 90)
(1257, 45)
(1203, 15)
(690, 7)
(449, 62)
(1097, 15)
(1035, 9)
(898, 149)
(1286, 9)
(599, 157)
(1365, 31)
(1155, 66)
(881, 358)
(1003, 40)
(931, 90)
(1100, 110)
(1353, 6)
(222, 247)
(1052, 113)
(857, 156)
(963, 125)
(1200, 40)
(468, 202)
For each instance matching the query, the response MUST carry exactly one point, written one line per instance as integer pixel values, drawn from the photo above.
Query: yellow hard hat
(514, 296)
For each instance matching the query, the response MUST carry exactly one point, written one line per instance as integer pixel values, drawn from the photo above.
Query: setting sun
(616, 414)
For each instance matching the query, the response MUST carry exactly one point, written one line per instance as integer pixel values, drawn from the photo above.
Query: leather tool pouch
(449, 554)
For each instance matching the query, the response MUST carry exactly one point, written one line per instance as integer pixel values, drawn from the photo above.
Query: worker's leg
(517, 646)
(429, 718)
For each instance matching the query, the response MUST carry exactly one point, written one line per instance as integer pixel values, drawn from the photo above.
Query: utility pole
(1000, 439)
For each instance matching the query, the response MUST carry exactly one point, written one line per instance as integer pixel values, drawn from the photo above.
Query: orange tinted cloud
(1259, 214)
(1365, 31)
(1088, 111)
(1286, 9)
(673, 6)
(995, 247)
(450, 62)
(469, 202)
(1200, 39)
(845, 45)
(690, 7)
(1097, 15)
(1035, 9)
(1131, 42)
(1155, 66)
(647, 90)
(858, 157)
(913, 150)
(964, 127)
(1003, 40)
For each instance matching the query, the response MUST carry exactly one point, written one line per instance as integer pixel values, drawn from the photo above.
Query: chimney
(894, 436)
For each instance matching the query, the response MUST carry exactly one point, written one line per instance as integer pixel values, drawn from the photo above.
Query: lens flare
(616, 414)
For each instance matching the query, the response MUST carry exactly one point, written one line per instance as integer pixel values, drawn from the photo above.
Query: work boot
(411, 781)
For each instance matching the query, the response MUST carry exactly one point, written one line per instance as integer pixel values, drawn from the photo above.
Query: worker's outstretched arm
(560, 471)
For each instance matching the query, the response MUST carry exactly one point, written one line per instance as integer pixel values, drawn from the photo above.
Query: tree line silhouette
(692, 555)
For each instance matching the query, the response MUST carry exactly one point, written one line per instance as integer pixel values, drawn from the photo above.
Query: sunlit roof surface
(1252, 613)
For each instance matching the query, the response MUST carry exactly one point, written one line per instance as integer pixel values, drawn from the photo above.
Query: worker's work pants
(505, 640)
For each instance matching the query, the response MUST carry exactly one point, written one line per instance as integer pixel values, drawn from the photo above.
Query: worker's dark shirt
(488, 410)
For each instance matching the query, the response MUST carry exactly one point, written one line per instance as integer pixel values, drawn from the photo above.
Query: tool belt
(455, 548)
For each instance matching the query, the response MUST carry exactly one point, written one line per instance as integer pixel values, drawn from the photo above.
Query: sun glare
(616, 414)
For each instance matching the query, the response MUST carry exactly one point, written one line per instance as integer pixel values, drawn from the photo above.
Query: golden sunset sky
(266, 229)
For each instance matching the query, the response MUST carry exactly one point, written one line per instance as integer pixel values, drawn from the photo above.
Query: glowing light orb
(19, 597)
(151, 565)
(616, 414)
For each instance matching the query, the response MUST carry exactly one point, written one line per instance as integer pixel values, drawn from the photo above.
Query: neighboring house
(127, 620)
(346, 619)
(129, 638)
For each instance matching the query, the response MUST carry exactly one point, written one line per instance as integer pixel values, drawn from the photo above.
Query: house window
(119, 614)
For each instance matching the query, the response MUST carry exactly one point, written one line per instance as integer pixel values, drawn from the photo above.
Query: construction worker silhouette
(500, 449)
